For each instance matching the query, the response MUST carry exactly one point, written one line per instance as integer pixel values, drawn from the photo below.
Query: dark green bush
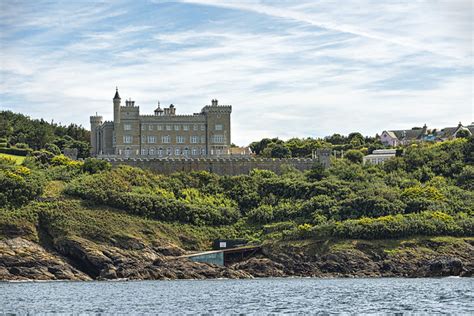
(94, 165)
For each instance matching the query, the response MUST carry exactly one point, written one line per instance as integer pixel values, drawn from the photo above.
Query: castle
(163, 134)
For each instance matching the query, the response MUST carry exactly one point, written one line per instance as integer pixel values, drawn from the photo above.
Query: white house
(379, 156)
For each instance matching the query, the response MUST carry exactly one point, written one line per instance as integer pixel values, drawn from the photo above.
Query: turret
(95, 121)
(158, 111)
(116, 106)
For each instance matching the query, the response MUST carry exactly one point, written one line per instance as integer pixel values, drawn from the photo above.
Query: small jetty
(224, 257)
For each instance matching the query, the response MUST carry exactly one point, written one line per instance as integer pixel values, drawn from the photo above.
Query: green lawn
(18, 159)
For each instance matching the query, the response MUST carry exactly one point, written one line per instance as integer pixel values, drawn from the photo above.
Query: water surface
(258, 296)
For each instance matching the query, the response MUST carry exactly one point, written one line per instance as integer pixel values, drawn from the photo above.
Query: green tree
(354, 156)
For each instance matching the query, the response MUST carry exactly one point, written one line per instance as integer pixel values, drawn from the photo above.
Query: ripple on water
(257, 296)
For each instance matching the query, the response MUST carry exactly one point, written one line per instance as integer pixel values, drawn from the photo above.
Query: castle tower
(116, 106)
(95, 121)
(218, 128)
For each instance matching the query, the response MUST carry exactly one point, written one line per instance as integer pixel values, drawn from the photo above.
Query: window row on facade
(166, 139)
(170, 151)
(171, 127)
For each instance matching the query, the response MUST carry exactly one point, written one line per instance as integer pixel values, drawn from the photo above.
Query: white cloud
(285, 77)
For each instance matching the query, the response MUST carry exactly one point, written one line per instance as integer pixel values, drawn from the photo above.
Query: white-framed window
(151, 139)
(144, 151)
(185, 127)
(203, 151)
(176, 128)
(150, 127)
(203, 127)
(218, 139)
(169, 151)
(195, 127)
(159, 127)
(186, 152)
(143, 127)
(203, 139)
(168, 127)
(127, 127)
(194, 139)
(180, 139)
(194, 151)
(152, 151)
(218, 127)
(177, 151)
(166, 139)
(127, 139)
(143, 138)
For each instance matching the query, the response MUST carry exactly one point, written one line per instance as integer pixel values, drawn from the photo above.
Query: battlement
(96, 119)
(217, 109)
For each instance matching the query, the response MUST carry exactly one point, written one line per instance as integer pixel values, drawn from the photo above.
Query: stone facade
(163, 134)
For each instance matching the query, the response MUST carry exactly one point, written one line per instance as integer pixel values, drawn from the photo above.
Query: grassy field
(18, 159)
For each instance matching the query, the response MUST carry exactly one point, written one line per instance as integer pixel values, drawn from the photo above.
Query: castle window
(194, 139)
(159, 127)
(194, 151)
(180, 139)
(176, 127)
(160, 152)
(151, 139)
(168, 127)
(177, 152)
(203, 151)
(143, 127)
(218, 139)
(203, 139)
(150, 127)
(169, 150)
(186, 152)
(165, 139)
(218, 127)
(144, 151)
(195, 127)
(185, 127)
(152, 151)
(127, 127)
(143, 138)
(127, 139)
(203, 128)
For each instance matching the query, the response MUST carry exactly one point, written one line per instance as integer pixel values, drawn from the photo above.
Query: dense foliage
(305, 147)
(18, 133)
(426, 191)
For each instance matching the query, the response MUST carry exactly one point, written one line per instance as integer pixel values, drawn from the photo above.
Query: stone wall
(221, 166)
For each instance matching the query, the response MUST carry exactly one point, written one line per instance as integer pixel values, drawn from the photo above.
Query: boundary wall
(220, 166)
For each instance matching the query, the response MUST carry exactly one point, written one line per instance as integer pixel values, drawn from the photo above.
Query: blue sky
(289, 68)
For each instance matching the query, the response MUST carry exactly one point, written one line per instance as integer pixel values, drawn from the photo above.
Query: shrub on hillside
(94, 165)
(19, 185)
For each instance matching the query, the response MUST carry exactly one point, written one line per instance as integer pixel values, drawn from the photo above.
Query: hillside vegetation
(428, 191)
(21, 136)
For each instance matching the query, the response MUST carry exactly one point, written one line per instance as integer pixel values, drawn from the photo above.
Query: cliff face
(74, 258)
(420, 257)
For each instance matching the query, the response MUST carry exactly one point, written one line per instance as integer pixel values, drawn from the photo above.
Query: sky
(289, 68)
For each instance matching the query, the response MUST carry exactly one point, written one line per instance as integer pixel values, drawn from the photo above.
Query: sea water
(256, 296)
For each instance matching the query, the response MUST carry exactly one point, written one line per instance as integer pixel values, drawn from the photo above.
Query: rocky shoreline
(74, 258)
